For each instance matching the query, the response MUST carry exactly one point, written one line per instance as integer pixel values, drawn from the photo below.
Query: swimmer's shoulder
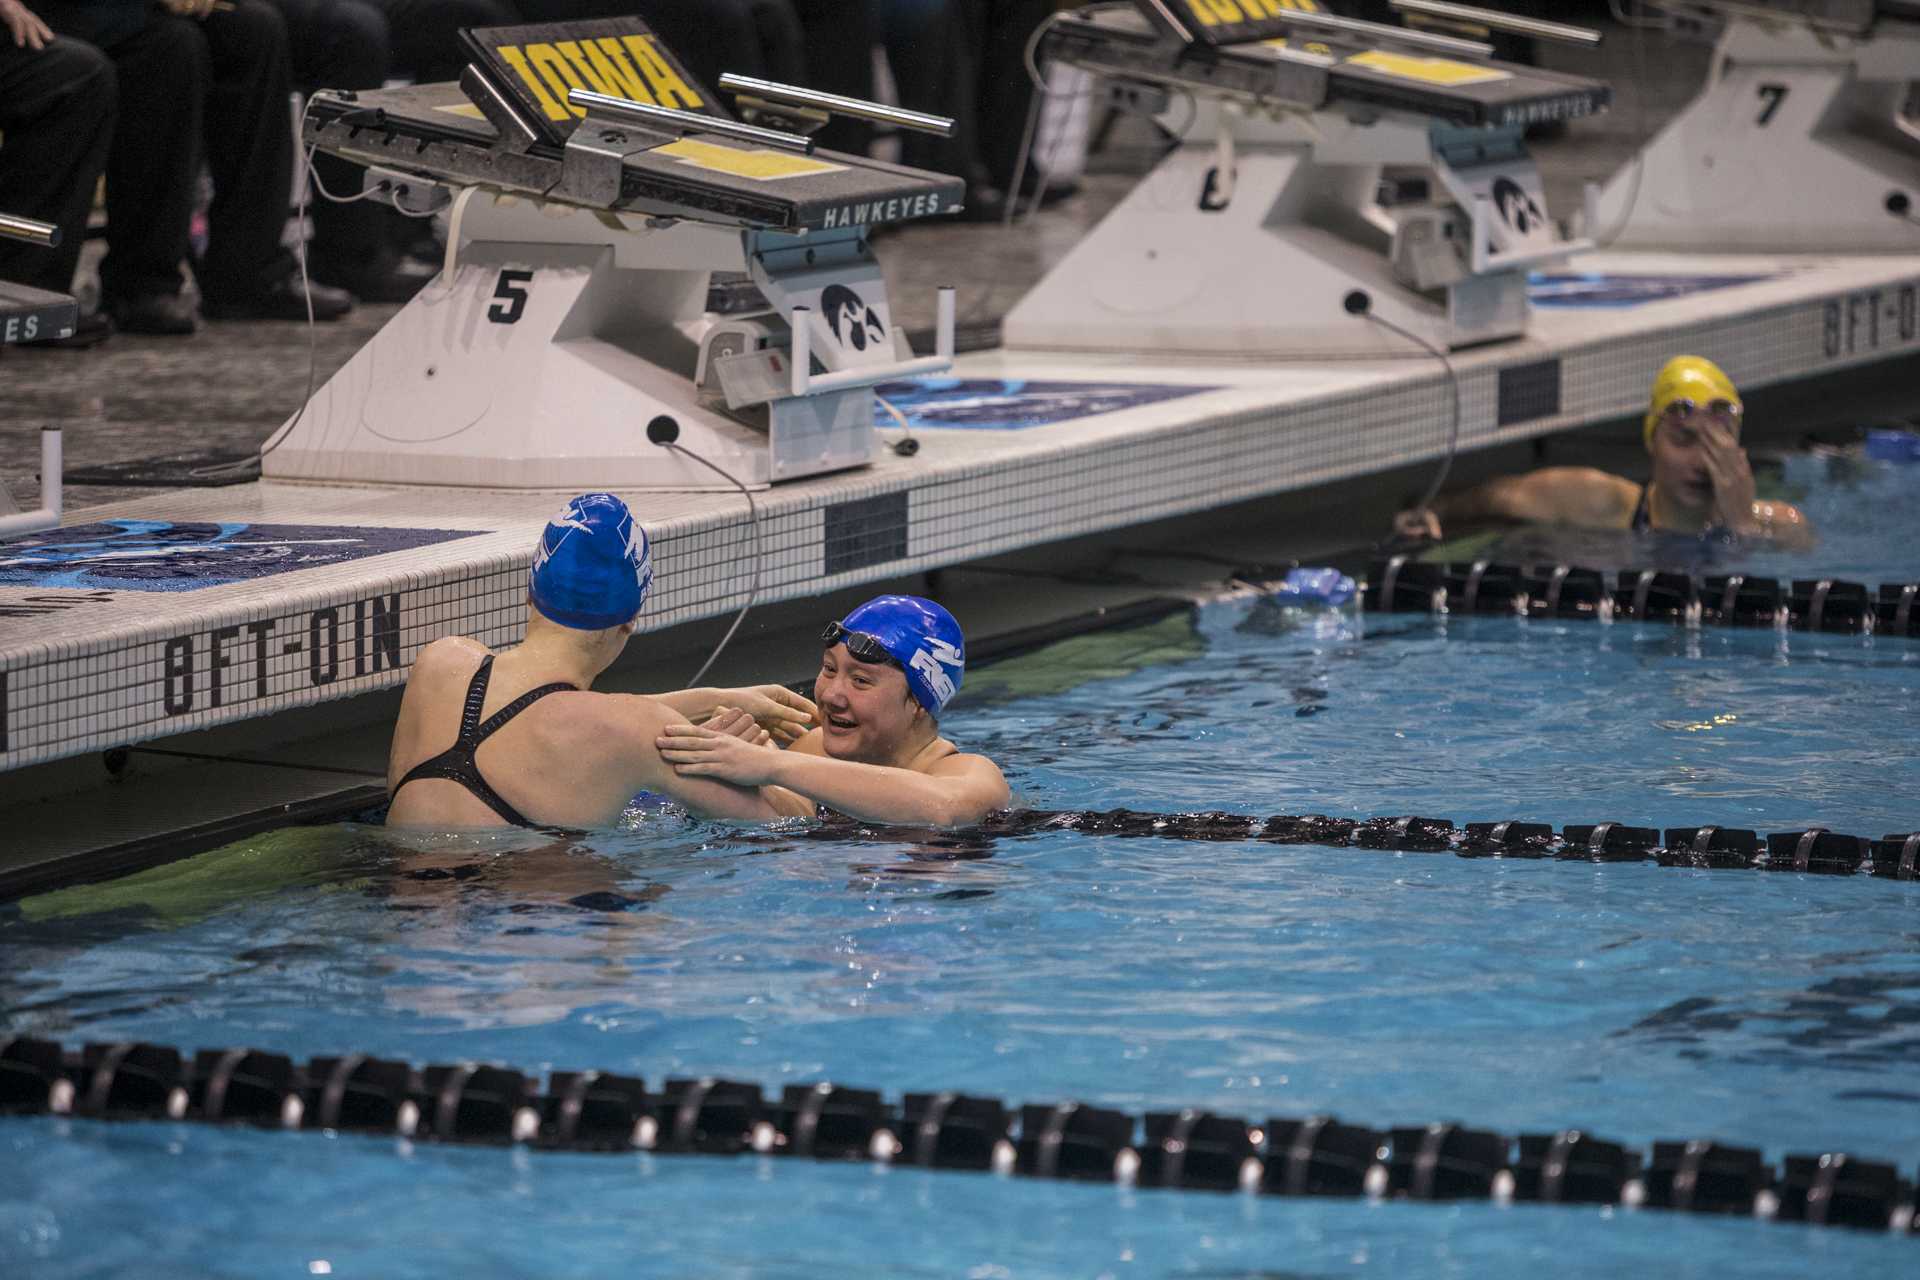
(957, 763)
(1588, 496)
(982, 782)
(1785, 523)
(448, 658)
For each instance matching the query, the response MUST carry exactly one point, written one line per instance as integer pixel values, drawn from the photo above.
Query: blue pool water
(1642, 1003)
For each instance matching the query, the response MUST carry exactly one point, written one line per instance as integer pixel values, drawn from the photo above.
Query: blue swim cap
(919, 635)
(593, 566)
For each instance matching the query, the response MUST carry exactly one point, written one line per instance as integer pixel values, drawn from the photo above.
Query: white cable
(312, 177)
(753, 589)
(906, 445)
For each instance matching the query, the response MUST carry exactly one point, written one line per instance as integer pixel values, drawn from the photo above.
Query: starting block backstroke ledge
(191, 610)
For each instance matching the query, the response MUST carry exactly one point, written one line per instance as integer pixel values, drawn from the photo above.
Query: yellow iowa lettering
(610, 61)
(553, 68)
(590, 78)
(1211, 13)
(512, 56)
(669, 90)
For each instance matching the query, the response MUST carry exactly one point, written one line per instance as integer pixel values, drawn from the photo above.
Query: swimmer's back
(570, 759)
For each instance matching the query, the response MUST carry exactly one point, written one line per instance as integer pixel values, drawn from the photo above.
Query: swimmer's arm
(778, 709)
(958, 790)
(1584, 496)
(642, 720)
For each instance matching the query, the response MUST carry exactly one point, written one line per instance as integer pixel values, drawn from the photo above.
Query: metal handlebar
(1382, 32)
(1500, 21)
(798, 96)
(44, 234)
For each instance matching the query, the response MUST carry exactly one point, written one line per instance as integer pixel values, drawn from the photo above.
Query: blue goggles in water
(861, 645)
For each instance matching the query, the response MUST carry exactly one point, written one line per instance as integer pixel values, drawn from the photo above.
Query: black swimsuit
(457, 763)
(1642, 515)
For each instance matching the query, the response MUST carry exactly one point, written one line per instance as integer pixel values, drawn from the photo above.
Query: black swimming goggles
(865, 647)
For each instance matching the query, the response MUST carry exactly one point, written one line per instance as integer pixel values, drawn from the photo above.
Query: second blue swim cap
(593, 566)
(923, 638)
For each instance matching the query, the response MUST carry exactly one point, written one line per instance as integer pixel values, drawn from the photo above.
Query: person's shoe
(165, 314)
(89, 331)
(282, 300)
(386, 277)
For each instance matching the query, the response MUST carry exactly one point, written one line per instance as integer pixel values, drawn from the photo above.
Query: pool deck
(92, 662)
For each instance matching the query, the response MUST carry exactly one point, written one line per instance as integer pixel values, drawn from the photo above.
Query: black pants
(216, 88)
(56, 112)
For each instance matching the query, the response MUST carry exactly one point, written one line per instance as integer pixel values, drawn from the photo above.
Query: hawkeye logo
(629, 66)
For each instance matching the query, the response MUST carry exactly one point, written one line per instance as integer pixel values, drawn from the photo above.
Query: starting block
(592, 189)
(27, 315)
(1796, 145)
(1346, 158)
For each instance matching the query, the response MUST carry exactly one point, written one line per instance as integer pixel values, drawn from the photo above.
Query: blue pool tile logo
(1590, 290)
(164, 555)
(1013, 404)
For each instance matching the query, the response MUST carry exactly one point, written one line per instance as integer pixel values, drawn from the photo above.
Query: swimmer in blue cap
(530, 743)
(887, 671)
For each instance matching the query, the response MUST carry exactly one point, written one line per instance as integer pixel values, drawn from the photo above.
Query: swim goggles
(866, 648)
(1725, 412)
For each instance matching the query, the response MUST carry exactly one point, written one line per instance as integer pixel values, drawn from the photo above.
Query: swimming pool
(1779, 1011)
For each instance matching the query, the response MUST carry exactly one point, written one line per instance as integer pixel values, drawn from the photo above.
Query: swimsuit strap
(1643, 511)
(499, 718)
(457, 762)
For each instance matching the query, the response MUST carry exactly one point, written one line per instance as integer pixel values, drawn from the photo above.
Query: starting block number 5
(510, 296)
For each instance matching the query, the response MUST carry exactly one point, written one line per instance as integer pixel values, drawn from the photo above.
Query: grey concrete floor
(228, 386)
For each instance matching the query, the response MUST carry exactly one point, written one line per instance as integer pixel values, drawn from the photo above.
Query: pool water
(1765, 1009)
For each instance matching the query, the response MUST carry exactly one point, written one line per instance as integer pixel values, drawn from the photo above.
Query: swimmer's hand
(28, 31)
(783, 713)
(736, 723)
(700, 751)
(1732, 476)
(1417, 523)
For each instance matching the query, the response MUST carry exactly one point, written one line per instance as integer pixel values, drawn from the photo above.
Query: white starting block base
(1794, 146)
(1255, 277)
(86, 669)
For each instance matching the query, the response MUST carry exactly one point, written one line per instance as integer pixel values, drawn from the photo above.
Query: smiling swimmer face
(866, 708)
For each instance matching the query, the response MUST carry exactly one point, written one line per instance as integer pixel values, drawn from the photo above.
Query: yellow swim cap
(1694, 378)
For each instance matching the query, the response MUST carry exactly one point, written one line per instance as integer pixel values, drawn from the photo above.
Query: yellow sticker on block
(1442, 71)
(466, 109)
(758, 163)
